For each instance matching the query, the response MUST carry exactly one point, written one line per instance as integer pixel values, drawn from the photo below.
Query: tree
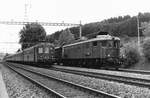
(31, 34)
(66, 37)
(146, 31)
(117, 26)
(131, 54)
(18, 50)
(146, 48)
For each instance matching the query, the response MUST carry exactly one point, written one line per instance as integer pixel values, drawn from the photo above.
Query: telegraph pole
(80, 27)
(27, 7)
(138, 32)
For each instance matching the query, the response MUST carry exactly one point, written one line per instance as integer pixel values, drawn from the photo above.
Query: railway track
(72, 90)
(54, 93)
(135, 71)
(119, 78)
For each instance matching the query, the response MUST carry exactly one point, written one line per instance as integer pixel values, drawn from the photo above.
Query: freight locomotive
(102, 51)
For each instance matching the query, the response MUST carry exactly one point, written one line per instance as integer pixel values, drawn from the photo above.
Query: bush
(131, 55)
(146, 48)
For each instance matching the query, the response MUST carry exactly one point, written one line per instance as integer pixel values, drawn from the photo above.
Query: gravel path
(19, 87)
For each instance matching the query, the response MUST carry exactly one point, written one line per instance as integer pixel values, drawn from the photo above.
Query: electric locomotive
(102, 51)
(39, 55)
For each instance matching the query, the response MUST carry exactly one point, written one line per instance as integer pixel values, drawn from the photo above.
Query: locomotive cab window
(46, 50)
(95, 43)
(40, 50)
(110, 44)
(104, 43)
(116, 44)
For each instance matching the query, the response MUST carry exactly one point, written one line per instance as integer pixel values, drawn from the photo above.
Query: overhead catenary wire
(18, 42)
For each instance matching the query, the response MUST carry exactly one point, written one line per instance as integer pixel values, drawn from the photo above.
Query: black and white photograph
(75, 49)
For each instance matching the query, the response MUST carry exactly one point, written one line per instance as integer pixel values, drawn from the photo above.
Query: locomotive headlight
(108, 55)
(123, 55)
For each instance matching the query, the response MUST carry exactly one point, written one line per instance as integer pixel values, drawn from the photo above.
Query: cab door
(95, 49)
(35, 54)
(116, 48)
(103, 48)
(40, 52)
(87, 50)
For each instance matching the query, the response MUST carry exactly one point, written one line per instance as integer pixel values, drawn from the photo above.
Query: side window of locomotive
(52, 50)
(95, 43)
(110, 44)
(46, 50)
(104, 43)
(40, 50)
(87, 45)
(116, 44)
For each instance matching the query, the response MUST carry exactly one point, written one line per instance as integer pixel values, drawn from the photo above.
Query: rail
(90, 90)
(56, 94)
(118, 78)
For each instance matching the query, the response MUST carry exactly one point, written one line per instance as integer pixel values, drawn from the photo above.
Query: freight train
(102, 51)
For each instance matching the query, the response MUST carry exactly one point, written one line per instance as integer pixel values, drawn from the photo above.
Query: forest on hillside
(118, 26)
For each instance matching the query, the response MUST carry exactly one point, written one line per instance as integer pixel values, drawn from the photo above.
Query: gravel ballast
(59, 86)
(19, 87)
(119, 89)
(119, 73)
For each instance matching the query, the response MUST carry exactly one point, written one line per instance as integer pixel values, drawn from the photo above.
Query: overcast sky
(70, 11)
